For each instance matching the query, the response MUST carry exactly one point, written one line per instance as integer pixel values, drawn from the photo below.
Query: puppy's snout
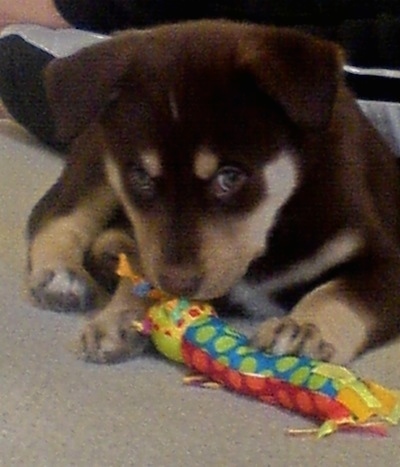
(180, 281)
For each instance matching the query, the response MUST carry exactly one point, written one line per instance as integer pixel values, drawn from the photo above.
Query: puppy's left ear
(300, 72)
(81, 85)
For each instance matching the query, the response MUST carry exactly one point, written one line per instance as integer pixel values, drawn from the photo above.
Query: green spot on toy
(205, 334)
(224, 344)
(300, 376)
(248, 365)
(286, 364)
(243, 350)
(316, 382)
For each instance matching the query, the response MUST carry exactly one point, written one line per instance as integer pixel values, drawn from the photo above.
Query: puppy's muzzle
(180, 280)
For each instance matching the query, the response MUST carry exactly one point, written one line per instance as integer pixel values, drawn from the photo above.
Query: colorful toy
(191, 333)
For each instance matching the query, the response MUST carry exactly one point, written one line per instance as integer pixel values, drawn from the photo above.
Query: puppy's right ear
(80, 86)
(300, 72)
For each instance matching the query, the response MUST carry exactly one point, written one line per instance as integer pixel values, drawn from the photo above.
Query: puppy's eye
(228, 181)
(141, 184)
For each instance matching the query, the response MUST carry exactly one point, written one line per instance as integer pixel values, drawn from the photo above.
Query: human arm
(41, 12)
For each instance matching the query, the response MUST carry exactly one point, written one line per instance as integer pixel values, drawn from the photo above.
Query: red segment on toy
(267, 389)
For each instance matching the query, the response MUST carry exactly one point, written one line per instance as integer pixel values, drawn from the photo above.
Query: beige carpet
(58, 411)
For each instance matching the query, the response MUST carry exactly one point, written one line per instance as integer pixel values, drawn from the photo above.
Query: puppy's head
(200, 123)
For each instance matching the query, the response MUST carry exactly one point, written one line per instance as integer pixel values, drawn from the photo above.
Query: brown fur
(158, 119)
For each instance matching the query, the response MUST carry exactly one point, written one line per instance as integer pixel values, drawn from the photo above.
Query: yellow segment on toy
(336, 372)
(170, 319)
(390, 406)
(124, 269)
(352, 399)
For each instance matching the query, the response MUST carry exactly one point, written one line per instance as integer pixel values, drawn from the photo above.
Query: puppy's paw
(287, 337)
(65, 289)
(110, 338)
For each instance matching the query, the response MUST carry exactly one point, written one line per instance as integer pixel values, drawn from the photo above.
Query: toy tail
(331, 426)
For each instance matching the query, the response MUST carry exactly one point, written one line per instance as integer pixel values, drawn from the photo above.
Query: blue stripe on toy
(232, 348)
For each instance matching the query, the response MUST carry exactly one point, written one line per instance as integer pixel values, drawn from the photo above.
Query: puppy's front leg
(61, 237)
(329, 323)
(109, 336)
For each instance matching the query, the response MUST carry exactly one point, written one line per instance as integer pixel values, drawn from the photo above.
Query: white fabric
(58, 42)
(385, 116)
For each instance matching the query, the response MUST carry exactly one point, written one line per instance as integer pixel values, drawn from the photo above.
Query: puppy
(229, 161)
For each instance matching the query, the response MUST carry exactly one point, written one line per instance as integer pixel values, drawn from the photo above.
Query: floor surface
(57, 411)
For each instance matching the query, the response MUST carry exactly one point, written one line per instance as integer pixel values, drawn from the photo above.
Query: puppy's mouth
(192, 284)
(191, 289)
(180, 281)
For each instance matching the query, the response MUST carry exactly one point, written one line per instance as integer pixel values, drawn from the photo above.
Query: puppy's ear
(80, 86)
(300, 72)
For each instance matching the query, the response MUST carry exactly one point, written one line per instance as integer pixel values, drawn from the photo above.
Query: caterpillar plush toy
(191, 333)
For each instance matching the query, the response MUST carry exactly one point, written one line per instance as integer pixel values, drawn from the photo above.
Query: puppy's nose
(179, 281)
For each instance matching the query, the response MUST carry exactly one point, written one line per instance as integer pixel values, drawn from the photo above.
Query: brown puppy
(243, 168)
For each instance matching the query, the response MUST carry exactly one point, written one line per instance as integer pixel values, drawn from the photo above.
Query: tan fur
(337, 318)
(151, 163)
(205, 164)
(57, 251)
(77, 228)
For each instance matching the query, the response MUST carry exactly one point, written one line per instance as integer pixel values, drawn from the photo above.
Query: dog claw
(286, 336)
(110, 338)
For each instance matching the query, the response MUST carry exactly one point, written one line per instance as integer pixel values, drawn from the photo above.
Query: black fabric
(374, 88)
(22, 89)
(108, 15)
(371, 43)
(368, 30)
